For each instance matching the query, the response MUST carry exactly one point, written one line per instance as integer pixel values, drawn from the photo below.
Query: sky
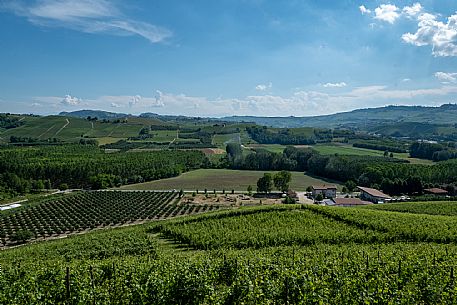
(226, 57)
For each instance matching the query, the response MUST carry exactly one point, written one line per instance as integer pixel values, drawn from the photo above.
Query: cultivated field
(260, 255)
(92, 210)
(220, 179)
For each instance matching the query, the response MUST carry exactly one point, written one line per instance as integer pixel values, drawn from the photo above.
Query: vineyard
(92, 210)
(284, 254)
(448, 208)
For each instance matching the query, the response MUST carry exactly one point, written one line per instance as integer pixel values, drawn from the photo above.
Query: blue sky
(226, 57)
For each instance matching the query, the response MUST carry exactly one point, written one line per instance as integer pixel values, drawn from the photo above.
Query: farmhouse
(436, 191)
(327, 190)
(373, 195)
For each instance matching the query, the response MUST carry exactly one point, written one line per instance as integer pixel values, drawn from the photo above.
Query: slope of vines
(92, 210)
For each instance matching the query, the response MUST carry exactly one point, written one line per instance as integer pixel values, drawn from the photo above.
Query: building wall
(325, 193)
(368, 197)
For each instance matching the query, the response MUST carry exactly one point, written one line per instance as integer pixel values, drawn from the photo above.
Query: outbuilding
(436, 191)
(373, 195)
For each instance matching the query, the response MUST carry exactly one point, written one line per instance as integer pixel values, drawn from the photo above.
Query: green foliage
(265, 183)
(81, 166)
(90, 210)
(266, 227)
(448, 208)
(282, 180)
(249, 189)
(21, 236)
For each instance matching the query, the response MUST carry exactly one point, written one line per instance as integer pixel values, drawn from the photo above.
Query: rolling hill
(363, 119)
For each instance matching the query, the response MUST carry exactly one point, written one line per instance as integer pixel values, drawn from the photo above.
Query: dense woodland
(82, 166)
(433, 151)
(394, 176)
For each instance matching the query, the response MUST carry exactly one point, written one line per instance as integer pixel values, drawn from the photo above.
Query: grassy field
(350, 150)
(220, 179)
(275, 148)
(71, 129)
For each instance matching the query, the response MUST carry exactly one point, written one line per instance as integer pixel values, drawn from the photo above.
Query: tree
(319, 197)
(386, 153)
(391, 155)
(265, 183)
(250, 190)
(282, 180)
(233, 150)
(350, 186)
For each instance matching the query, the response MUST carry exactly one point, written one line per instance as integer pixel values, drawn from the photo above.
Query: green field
(220, 179)
(275, 148)
(71, 129)
(350, 150)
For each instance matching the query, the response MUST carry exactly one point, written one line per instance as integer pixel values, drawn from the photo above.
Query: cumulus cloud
(158, 99)
(441, 36)
(335, 85)
(263, 87)
(69, 100)
(115, 105)
(90, 16)
(364, 10)
(446, 78)
(134, 100)
(412, 11)
(387, 12)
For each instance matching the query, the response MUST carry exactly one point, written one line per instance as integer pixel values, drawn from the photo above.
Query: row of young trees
(83, 166)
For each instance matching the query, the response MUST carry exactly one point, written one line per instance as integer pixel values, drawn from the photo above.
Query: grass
(221, 179)
(220, 140)
(350, 150)
(275, 148)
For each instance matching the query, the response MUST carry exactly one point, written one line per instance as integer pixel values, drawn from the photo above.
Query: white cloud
(299, 103)
(405, 80)
(35, 104)
(446, 78)
(134, 100)
(335, 85)
(441, 36)
(412, 11)
(90, 16)
(387, 12)
(69, 100)
(364, 10)
(263, 87)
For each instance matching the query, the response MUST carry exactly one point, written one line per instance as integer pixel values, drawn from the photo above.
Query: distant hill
(363, 119)
(99, 114)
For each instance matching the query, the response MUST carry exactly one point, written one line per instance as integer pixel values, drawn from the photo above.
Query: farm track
(63, 127)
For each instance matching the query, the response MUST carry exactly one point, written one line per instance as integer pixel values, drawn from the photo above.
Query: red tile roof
(374, 192)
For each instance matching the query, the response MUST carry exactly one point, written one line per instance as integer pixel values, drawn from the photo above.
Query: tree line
(87, 166)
